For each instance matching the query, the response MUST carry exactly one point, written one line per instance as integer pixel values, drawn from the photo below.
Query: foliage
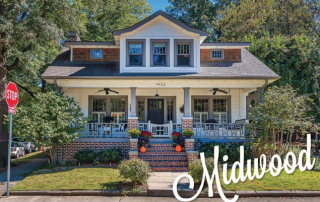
(136, 170)
(188, 133)
(175, 135)
(261, 146)
(282, 112)
(95, 163)
(196, 169)
(143, 141)
(146, 134)
(317, 165)
(85, 156)
(108, 119)
(230, 149)
(179, 140)
(113, 155)
(134, 132)
(51, 121)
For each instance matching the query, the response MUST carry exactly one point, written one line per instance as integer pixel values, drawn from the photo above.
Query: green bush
(113, 155)
(85, 156)
(136, 170)
(188, 133)
(230, 149)
(317, 165)
(196, 169)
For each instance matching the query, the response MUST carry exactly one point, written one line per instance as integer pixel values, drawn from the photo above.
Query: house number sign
(160, 84)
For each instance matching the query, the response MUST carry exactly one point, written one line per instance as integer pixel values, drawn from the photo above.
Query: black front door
(156, 111)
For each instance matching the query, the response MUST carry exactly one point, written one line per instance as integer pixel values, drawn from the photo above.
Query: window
(183, 58)
(169, 110)
(217, 54)
(159, 54)
(220, 110)
(118, 110)
(96, 54)
(141, 110)
(201, 107)
(135, 54)
(98, 110)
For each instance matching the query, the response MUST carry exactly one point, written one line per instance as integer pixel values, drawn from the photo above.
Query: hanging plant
(182, 109)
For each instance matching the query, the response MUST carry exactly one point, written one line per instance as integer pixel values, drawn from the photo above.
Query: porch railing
(105, 130)
(216, 130)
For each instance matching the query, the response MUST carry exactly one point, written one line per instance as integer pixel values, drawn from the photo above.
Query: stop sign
(12, 97)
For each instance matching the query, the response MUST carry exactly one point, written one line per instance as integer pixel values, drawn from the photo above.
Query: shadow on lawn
(111, 185)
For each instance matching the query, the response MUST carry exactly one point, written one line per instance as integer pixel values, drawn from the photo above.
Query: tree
(51, 121)
(26, 27)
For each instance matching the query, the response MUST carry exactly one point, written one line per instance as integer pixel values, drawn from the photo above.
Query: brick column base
(189, 144)
(132, 123)
(133, 144)
(192, 156)
(133, 154)
(187, 123)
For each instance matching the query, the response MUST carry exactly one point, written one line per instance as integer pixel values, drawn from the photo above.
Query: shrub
(85, 156)
(175, 135)
(196, 169)
(136, 170)
(188, 133)
(134, 132)
(113, 155)
(230, 149)
(260, 146)
(146, 134)
(317, 165)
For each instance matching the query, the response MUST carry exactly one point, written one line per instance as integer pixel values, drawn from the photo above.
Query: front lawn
(27, 158)
(74, 179)
(303, 181)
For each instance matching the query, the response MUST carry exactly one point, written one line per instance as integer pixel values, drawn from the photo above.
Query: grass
(302, 181)
(27, 158)
(75, 179)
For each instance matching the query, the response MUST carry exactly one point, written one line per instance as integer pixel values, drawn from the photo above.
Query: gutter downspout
(58, 89)
(261, 90)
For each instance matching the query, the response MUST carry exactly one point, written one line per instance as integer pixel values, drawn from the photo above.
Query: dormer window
(217, 54)
(159, 54)
(135, 54)
(183, 57)
(96, 54)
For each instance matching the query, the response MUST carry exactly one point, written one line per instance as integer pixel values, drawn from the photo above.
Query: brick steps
(169, 169)
(163, 157)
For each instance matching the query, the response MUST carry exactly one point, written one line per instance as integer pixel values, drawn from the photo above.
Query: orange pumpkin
(143, 149)
(178, 148)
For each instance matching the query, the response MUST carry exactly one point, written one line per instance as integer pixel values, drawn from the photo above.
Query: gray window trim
(108, 103)
(176, 41)
(165, 106)
(222, 54)
(167, 42)
(210, 107)
(96, 49)
(143, 41)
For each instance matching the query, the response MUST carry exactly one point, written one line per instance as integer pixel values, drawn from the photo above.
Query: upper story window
(183, 57)
(96, 54)
(135, 54)
(159, 54)
(217, 54)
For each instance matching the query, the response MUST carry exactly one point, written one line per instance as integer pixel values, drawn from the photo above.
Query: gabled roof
(153, 16)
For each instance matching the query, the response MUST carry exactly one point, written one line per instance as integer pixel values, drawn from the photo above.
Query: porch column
(133, 102)
(187, 107)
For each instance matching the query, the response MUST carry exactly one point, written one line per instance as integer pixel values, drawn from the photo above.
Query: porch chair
(107, 128)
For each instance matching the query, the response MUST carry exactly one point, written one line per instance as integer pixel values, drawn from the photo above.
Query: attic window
(135, 54)
(183, 54)
(96, 54)
(217, 54)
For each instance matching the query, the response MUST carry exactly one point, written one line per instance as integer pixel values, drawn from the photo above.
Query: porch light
(157, 95)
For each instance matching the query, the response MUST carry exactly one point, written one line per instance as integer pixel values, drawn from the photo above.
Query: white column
(71, 53)
(171, 52)
(133, 102)
(147, 51)
(187, 104)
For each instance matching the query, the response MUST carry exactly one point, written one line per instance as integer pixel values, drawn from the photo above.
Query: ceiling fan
(107, 91)
(215, 90)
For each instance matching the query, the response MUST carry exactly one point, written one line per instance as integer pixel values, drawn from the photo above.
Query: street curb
(186, 193)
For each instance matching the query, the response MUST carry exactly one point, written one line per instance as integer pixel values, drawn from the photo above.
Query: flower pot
(143, 149)
(182, 110)
(178, 148)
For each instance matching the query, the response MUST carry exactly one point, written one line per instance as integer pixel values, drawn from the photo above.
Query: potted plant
(188, 133)
(134, 133)
(146, 134)
(182, 109)
(142, 142)
(179, 141)
(108, 119)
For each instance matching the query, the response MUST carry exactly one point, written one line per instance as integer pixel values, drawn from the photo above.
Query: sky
(158, 5)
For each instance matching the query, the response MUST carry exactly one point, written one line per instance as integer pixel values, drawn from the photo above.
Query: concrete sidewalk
(164, 180)
(18, 172)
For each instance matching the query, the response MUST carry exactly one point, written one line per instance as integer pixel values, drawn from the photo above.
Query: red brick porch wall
(68, 150)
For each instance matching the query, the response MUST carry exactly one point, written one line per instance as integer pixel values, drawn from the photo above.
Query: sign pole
(9, 155)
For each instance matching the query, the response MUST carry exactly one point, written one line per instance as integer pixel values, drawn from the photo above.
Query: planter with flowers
(188, 133)
(135, 133)
(182, 109)
(143, 140)
(178, 139)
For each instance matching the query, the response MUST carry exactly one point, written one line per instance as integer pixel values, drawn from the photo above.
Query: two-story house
(158, 75)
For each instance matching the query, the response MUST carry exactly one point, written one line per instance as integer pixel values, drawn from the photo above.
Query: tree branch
(14, 65)
(15, 15)
(25, 89)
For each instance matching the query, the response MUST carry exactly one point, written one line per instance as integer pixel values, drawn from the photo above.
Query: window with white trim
(217, 54)
(96, 54)
(135, 54)
(118, 110)
(159, 54)
(98, 110)
(201, 107)
(183, 54)
(220, 110)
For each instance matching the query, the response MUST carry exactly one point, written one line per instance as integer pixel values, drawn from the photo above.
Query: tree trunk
(53, 153)
(4, 137)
